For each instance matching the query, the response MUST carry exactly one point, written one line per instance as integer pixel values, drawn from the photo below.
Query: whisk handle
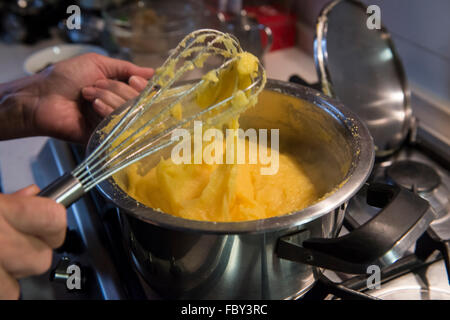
(65, 190)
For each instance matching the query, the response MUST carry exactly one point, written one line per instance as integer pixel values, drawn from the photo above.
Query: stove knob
(72, 243)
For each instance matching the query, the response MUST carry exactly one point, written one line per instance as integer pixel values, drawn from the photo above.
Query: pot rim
(362, 163)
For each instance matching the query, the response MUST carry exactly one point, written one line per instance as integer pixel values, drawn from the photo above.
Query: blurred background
(34, 34)
(145, 31)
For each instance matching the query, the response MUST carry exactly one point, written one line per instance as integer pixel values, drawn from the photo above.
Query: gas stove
(424, 271)
(94, 240)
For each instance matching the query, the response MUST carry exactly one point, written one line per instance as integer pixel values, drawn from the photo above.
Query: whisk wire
(145, 149)
(108, 159)
(113, 134)
(110, 138)
(123, 143)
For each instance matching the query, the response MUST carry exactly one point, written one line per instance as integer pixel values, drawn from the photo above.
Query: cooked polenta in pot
(222, 192)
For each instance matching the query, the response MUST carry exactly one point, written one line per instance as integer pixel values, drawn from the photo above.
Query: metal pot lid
(360, 67)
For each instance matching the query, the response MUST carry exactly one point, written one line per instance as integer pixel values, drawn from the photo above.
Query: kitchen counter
(18, 155)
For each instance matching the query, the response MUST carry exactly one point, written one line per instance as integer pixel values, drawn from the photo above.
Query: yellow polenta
(221, 192)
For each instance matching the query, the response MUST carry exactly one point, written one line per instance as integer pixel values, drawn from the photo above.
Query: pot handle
(380, 241)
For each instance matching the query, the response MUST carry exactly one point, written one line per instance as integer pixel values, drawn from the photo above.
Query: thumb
(31, 190)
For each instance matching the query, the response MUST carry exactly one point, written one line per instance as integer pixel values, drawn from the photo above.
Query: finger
(137, 83)
(31, 190)
(9, 289)
(89, 93)
(122, 70)
(108, 97)
(121, 89)
(41, 217)
(102, 108)
(24, 255)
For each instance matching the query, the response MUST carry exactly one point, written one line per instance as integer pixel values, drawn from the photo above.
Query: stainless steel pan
(280, 257)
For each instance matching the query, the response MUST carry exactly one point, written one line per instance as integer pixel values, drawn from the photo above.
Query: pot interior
(320, 143)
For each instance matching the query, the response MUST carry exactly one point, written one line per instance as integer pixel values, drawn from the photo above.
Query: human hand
(50, 103)
(30, 227)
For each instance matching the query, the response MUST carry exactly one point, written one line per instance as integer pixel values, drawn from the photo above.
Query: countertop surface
(17, 156)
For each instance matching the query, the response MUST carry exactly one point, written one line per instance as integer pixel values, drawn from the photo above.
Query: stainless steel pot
(280, 257)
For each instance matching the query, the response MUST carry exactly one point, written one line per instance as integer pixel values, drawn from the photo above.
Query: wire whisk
(167, 103)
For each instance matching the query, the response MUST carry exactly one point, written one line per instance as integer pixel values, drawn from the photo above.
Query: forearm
(15, 98)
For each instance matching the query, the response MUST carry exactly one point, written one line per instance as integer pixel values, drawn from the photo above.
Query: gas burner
(422, 179)
(413, 175)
